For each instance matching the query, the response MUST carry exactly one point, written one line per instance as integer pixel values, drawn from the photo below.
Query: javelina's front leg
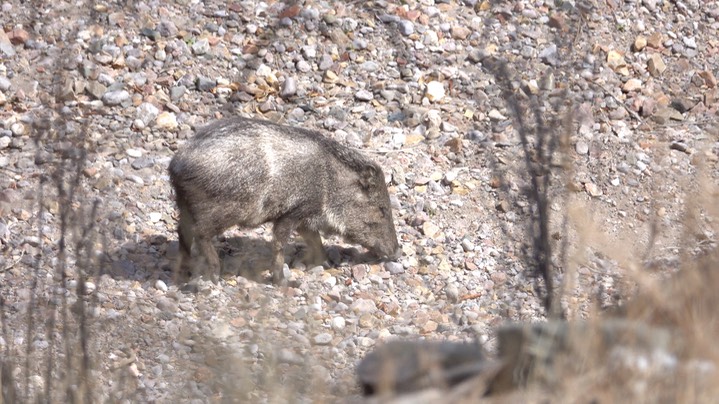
(185, 238)
(315, 254)
(281, 230)
(211, 260)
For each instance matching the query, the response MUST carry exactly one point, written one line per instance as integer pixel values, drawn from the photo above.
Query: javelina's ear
(368, 177)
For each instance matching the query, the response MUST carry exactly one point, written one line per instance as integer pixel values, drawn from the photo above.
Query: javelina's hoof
(280, 275)
(278, 279)
(197, 285)
(189, 288)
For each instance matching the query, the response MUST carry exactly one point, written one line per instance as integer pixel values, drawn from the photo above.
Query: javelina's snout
(389, 253)
(396, 254)
(388, 248)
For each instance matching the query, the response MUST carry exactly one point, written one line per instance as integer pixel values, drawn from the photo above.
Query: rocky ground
(99, 95)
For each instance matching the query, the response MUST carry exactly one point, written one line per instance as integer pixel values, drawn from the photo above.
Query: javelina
(248, 172)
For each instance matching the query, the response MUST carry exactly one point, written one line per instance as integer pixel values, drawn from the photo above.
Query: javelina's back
(248, 172)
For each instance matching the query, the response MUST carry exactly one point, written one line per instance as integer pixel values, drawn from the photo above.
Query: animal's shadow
(157, 257)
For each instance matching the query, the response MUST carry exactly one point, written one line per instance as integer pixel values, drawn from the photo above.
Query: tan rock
(710, 97)
(460, 32)
(166, 120)
(656, 65)
(18, 36)
(430, 229)
(532, 87)
(592, 189)
(640, 42)
(454, 144)
(615, 60)
(649, 105)
(483, 6)
(655, 40)
(429, 327)
(709, 78)
(665, 114)
(632, 85)
(330, 77)
(413, 139)
(558, 21)
(502, 206)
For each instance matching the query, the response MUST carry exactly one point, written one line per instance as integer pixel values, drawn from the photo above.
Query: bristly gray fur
(248, 172)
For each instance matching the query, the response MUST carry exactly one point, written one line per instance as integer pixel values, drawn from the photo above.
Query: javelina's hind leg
(211, 261)
(185, 237)
(315, 254)
(281, 231)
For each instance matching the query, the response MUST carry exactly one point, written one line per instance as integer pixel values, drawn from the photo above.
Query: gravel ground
(120, 86)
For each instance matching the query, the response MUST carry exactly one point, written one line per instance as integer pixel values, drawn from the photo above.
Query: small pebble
(112, 98)
(338, 323)
(289, 87)
(201, 47)
(582, 147)
(364, 95)
(322, 339)
(406, 28)
(160, 285)
(435, 91)
(393, 268)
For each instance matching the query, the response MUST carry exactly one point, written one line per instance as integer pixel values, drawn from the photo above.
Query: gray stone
(309, 51)
(135, 178)
(303, 66)
(6, 46)
(452, 293)
(4, 83)
(167, 305)
(177, 92)
(360, 43)
(651, 5)
(205, 84)
(467, 245)
(364, 95)
(142, 162)
(690, 42)
(95, 89)
(289, 87)
(406, 28)
(201, 47)
(326, 62)
(394, 268)
(387, 18)
(549, 55)
(167, 29)
(147, 112)
(582, 147)
(370, 66)
(323, 339)
(112, 98)
(363, 305)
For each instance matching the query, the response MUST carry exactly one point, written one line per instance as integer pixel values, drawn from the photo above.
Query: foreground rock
(542, 355)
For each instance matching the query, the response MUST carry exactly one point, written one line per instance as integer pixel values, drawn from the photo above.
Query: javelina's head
(368, 216)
